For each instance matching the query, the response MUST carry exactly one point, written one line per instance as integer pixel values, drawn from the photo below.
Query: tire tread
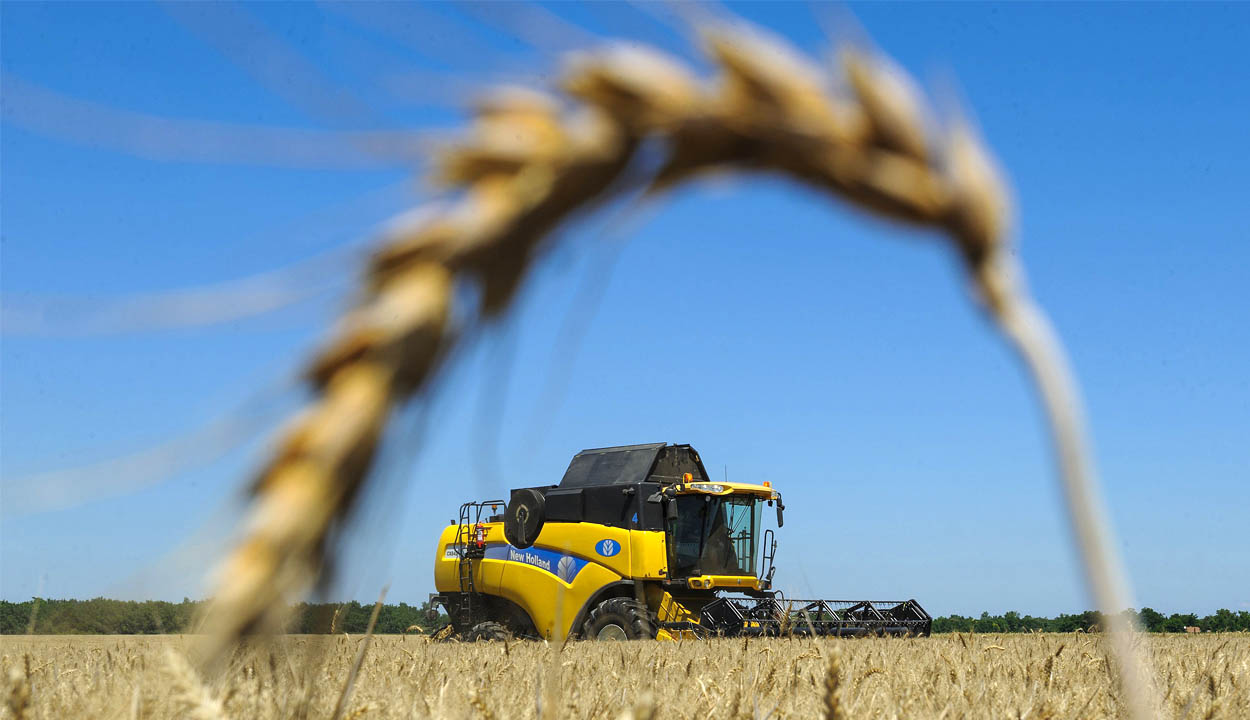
(631, 614)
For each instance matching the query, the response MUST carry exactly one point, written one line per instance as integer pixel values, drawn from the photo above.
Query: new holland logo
(566, 569)
(607, 548)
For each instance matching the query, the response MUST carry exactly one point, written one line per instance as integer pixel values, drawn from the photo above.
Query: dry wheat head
(530, 162)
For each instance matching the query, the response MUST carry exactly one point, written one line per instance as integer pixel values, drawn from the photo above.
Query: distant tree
(1222, 621)
(1177, 622)
(1090, 620)
(1152, 620)
(14, 617)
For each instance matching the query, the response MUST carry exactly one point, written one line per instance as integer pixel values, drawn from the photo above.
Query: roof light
(768, 483)
(708, 487)
(687, 477)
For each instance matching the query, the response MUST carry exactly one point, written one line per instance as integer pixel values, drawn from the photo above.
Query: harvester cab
(635, 542)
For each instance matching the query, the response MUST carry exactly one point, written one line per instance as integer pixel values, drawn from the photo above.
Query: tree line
(101, 616)
(1147, 619)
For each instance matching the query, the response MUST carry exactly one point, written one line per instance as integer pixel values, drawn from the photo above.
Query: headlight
(707, 487)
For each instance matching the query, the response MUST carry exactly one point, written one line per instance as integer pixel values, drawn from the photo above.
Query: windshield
(713, 535)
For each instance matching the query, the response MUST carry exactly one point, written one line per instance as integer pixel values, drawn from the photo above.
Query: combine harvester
(635, 542)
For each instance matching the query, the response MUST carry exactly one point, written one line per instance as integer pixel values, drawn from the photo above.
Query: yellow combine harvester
(635, 542)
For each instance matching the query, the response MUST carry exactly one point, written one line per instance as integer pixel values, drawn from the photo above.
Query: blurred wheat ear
(530, 162)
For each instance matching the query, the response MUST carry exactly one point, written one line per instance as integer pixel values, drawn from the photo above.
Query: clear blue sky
(786, 337)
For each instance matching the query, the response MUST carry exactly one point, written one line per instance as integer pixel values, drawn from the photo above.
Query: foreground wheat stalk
(530, 164)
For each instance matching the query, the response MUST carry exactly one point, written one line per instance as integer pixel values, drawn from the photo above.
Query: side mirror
(670, 509)
(781, 520)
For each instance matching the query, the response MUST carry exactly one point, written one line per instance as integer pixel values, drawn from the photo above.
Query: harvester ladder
(467, 551)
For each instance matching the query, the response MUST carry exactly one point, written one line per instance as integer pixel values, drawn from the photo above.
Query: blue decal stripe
(564, 567)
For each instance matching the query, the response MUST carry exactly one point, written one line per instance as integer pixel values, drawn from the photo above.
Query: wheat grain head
(529, 163)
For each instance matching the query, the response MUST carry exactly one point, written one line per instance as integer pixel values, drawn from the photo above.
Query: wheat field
(860, 133)
(950, 676)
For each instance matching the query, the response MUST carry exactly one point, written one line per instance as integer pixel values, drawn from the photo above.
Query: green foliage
(353, 618)
(100, 616)
(1149, 619)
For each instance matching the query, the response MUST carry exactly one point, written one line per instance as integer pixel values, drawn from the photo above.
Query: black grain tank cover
(632, 464)
(610, 486)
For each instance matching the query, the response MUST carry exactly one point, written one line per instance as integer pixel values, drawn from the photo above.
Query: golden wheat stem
(350, 683)
(192, 698)
(18, 700)
(1031, 334)
(833, 680)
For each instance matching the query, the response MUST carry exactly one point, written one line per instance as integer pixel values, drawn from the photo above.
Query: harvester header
(635, 542)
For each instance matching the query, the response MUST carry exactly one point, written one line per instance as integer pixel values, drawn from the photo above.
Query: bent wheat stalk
(530, 164)
(190, 696)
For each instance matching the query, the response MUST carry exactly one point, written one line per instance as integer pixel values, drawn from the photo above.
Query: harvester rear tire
(619, 619)
(487, 631)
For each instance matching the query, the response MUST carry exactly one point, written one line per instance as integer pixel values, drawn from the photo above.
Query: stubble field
(952, 676)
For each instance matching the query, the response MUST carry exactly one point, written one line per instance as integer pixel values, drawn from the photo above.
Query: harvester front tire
(487, 631)
(619, 619)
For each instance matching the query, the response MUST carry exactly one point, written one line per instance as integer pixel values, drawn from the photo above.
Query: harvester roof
(618, 486)
(630, 464)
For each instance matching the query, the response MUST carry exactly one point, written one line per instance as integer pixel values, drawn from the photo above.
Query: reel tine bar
(773, 616)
